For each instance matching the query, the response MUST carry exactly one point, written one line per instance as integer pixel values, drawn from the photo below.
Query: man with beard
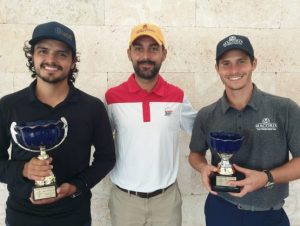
(146, 114)
(270, 126)
(50, 97)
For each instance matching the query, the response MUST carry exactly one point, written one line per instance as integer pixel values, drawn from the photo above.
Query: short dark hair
(29, 50)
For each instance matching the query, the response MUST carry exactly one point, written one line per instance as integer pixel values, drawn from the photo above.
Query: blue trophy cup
(41, 137)
(226, 144)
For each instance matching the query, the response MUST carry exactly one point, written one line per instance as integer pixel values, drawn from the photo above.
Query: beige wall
(192, 29)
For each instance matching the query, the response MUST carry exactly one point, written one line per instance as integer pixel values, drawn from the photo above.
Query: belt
(145, 195)
(255, 208)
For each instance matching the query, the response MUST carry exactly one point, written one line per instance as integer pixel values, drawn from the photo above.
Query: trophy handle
(65, 127)
(14, 136)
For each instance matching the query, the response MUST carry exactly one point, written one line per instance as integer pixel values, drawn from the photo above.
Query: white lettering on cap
(232, 40)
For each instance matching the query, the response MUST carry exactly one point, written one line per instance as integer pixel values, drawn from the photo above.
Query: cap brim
(159, 42)
(33, 41)
(231, 48)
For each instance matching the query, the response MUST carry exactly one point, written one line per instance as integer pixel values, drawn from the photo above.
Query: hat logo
(145, 29)
(60, 31)
(232, 40)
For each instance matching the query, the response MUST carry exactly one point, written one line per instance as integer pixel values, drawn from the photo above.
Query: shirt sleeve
(187, 116)
(110, 115)
(198, 140)
(11, 171)
(104, 153)
(293, 128)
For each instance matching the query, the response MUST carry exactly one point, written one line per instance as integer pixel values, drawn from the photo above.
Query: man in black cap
(270, 126)
(51, 96)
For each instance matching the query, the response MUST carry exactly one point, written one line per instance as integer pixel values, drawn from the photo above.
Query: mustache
(146, 62)
(52, 65)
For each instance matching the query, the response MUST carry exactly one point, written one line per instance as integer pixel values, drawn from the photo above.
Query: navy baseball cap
(234, 42)
(54, 30)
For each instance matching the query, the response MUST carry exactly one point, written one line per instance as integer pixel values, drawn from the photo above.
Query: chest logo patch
(266, 124)
(168, 111)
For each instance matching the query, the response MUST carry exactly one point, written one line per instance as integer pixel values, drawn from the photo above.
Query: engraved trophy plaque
(41, 137)
(226, 144)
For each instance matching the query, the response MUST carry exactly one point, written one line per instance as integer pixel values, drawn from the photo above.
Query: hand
(206, 171)
(63, 191)
(37, 169)
(253, 181)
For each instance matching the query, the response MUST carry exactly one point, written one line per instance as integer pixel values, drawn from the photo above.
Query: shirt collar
(71, 97)
(159, 88)
(253, 103)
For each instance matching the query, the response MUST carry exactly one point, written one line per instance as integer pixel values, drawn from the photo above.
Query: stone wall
(192, 29)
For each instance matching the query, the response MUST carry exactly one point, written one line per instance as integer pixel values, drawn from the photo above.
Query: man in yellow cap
(146, 115)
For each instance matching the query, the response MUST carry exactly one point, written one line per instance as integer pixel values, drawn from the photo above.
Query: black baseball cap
(234, 42)
(54, 30)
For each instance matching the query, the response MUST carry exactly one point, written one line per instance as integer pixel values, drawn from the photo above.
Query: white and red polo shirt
(147, 127)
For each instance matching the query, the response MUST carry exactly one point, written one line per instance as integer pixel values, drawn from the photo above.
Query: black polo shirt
(88, 126)
(271, 127)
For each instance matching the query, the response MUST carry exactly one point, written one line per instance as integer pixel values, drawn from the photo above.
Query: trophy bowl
(226, 144)
(41, 136)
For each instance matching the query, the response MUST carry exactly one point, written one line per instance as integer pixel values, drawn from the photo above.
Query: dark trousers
(219, 212)
(86, 224)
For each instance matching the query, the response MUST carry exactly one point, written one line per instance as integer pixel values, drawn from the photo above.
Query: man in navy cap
(51, 96)
(270, 126)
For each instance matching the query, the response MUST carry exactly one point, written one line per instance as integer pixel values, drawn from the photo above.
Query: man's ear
(217, 67)
(165, 52)
(128, 53)
(254, 64)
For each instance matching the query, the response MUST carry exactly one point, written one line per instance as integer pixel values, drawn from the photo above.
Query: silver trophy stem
(49, 179)
(43, 154)
(225, 168)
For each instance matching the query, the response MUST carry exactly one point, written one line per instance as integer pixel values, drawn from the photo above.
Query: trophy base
(219, 183)
(44, 192)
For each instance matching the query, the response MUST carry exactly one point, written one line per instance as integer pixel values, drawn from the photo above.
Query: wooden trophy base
(219, 183)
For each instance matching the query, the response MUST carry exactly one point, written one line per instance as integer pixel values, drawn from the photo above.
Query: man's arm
(258, 179)
(187, 116)
(199, 163)
(11, 169)
(104, 154)
(287, 172)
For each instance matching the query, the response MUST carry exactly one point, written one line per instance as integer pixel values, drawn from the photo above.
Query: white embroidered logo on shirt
(266, 124)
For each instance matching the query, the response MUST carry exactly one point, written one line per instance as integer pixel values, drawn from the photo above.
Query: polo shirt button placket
(239, 128)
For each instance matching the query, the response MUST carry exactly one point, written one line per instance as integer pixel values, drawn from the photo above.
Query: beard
(50, 79)
(148, 75)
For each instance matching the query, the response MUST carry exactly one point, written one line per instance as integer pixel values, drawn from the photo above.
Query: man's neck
(52, 94)
(239, 99)
(146, 84)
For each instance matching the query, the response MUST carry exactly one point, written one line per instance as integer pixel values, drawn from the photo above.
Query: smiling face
(235, 69)
(146, 56)
(52, 61)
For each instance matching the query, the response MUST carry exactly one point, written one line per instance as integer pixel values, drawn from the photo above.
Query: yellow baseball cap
(149, 30)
